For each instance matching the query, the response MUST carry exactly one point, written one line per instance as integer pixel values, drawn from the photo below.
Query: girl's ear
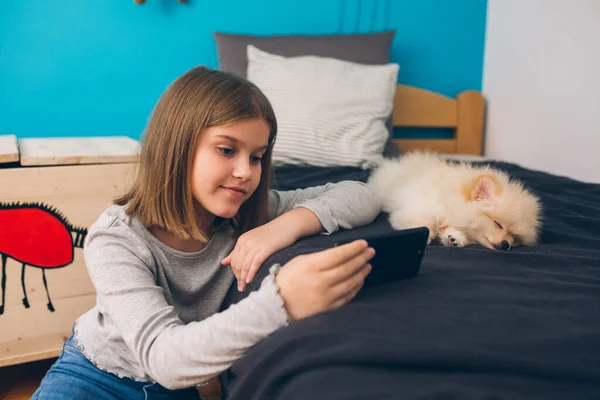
(485, 187)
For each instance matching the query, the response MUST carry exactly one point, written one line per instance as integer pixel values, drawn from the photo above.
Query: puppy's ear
(485, 187)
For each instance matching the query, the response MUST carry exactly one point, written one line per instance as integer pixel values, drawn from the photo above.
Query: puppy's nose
(504, 245)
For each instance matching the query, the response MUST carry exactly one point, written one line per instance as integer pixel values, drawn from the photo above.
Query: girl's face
(227, 167)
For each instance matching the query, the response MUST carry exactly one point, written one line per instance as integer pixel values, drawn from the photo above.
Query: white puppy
(461, 204)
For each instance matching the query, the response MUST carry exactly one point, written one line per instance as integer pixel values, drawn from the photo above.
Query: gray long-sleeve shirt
(156, 317)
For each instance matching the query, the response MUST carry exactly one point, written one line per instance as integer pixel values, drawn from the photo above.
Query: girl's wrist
(299, 222)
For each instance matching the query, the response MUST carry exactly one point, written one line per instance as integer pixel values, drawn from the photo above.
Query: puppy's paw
(431, 237)
(450, 237)
(396, 221)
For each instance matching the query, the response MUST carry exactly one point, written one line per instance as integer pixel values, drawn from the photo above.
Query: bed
(474, 324)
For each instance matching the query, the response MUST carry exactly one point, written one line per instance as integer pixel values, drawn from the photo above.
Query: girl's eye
(226, 150)
(256, 159)
(498, 225)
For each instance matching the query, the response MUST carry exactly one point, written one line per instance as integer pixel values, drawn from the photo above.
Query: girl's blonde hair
(161, 194)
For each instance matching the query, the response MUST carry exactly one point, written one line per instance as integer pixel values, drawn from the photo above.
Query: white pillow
(329, 112)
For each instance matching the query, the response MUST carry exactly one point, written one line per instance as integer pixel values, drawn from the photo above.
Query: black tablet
(398, 254)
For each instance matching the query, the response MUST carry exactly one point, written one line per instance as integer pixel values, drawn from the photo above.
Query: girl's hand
(254, 247)
(252, 250)
(322, 281)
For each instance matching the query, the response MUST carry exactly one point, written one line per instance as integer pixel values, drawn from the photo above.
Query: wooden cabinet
(51, 191)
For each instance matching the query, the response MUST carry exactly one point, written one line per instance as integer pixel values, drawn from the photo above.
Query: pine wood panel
(80, 193)
(8, 149)
(77, 150)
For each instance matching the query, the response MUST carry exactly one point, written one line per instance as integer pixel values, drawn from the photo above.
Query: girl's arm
(299, 213)
(176, 355)
(347, 204)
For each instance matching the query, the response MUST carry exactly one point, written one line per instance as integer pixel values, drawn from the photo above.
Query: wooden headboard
(414, 107)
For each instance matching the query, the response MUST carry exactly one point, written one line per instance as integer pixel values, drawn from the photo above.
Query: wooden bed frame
(415, 107)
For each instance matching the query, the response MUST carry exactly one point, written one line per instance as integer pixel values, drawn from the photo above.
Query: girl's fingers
(347, 298)
(245, 268)
(234, 259)
(259, 259)
(350, 285)
(236, 274)
(335, 256)
(227, 260)
(238, 258)
(349, 268)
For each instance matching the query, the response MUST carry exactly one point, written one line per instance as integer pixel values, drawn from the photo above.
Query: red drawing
(39, 236)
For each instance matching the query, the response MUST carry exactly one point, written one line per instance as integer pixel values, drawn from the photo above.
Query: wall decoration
(36, 235)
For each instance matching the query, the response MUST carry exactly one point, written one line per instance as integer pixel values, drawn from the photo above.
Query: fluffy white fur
(459, 203)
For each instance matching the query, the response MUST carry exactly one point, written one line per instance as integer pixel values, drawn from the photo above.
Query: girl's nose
(243, 171)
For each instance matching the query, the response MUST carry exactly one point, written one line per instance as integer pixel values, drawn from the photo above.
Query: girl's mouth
(235, 191)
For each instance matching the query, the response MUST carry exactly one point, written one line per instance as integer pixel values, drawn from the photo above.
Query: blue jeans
(73, 376)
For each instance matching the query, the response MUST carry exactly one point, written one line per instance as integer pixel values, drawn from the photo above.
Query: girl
(159, 258)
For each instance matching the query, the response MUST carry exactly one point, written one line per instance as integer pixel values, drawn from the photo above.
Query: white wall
(542, 83)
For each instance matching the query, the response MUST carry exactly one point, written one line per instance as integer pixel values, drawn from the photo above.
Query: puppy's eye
(498, 224)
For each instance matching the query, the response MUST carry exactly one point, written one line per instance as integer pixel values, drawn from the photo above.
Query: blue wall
(92, 68)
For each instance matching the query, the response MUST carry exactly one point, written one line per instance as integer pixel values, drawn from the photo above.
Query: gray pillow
(364, 48)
